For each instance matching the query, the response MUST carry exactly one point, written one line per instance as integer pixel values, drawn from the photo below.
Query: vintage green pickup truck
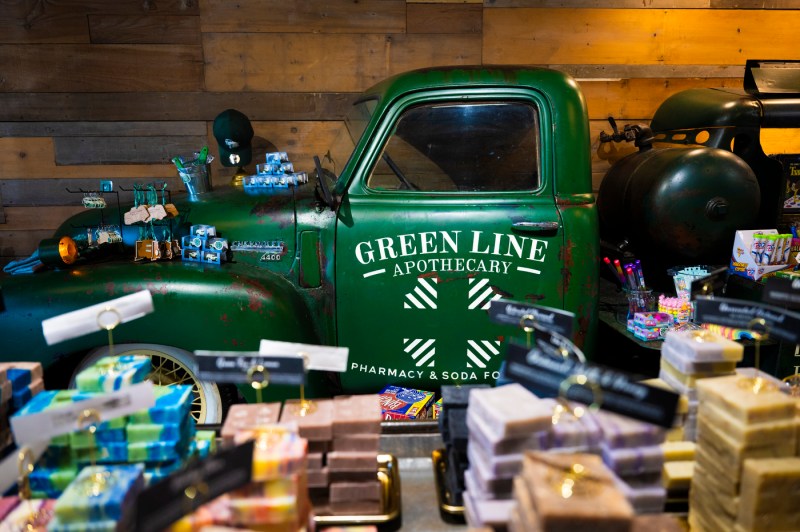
(446, 189)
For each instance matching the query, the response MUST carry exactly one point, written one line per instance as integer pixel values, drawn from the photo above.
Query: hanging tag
(157, 212)
(88, 320)
(783, 292)
(171, 210)
(235, 367)
(320, 357)
(622, 392)
(783, 324)
(68, 418)
(507, 312)
(165, 502)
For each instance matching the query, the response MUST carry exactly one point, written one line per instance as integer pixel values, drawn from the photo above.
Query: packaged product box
(759, 253)
(404, 403)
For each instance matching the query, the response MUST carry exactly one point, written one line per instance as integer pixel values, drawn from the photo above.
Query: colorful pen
(620, 274)
(613, 270)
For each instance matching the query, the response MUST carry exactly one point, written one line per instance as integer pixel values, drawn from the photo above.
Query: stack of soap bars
(19, 383)
(455, 434)
(569, 491)
(97, 499)
(747, 473)
(344, 438)
(632, 450)
(687, 357)
(160, 438)
(28, 515)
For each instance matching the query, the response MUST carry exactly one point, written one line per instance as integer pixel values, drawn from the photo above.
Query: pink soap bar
(6, 505)
(314, 422)
(243, 416)
(350, 476)
(340, 461)
(487, 512)
(357, 414)
(315, 461)
(356, 491)
(318, 478)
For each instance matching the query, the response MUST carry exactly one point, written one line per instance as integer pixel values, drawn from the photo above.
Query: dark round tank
(678, 204)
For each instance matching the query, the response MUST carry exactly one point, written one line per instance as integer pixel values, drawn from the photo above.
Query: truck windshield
(344, 143)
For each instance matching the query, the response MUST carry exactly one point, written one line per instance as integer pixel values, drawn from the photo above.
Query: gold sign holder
(757, 383)
(305, 406)
(527, 322)
(25, 464)
(259, 379)
(88, 421)
(108, 319)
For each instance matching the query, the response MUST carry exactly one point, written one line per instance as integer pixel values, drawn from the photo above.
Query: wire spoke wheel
(170, 367)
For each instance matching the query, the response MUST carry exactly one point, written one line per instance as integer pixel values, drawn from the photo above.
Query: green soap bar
(113, 373)
(85, 439)
(100, 493)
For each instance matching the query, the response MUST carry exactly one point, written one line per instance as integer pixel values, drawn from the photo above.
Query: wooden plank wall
(92, 89)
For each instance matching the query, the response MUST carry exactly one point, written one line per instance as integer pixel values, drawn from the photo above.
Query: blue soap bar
(113, 373)
(108, 453)
(173, 405)
(100, 494)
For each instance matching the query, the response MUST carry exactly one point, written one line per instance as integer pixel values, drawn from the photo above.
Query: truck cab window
(461, 147)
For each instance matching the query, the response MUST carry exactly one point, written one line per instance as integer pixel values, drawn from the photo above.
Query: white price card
(68, 418)
(102, 316)
(320, 357)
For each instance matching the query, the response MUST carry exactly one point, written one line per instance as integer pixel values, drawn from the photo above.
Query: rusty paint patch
(224, 318)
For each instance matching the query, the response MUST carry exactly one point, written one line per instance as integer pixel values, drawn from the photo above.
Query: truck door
(454, 208)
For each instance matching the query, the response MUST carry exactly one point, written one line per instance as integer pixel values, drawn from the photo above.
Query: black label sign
(619, 392)
(783, 292)
(241, 367)
(165, 502)
(556, 345)
(507, 312)
(712, 284)
(778, 323)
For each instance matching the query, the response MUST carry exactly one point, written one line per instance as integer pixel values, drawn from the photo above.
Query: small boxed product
(404, 403)
(759, 253)
(203, 231)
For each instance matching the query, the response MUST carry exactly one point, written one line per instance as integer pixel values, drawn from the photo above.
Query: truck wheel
(170, 366)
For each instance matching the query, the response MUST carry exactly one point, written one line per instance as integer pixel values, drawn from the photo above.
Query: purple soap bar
(356, 491)
(510, 411)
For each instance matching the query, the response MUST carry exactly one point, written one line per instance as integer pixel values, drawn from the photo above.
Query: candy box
(437, 408)
(652, 319)
(404, 403)
(751, 256)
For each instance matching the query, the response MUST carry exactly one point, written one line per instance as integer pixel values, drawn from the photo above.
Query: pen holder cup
(640, 300)
(196, 177)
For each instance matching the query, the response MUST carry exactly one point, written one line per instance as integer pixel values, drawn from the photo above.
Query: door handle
(536, 227)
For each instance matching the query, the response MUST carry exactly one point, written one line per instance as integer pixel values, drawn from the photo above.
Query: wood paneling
(123, 150)
(18, 244)
(444, 18)
(67, 192)
(304, 16)
(64, 21)
(325, 63)
(112, 68)
(300, 140)
(100, 129)
(148, 29)
(641, 36)
(172, 106)
(33, 218)
(34, 158)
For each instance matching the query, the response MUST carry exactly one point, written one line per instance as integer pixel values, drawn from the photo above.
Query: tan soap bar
(356, 414)
(687, 380)
(720, 505)
(736, 396)
(731, 453)
(593, 502)
(510, 410)
(767, 485)
(524, 497)
(657, 523)
(242, 416)
(313, 423)
(678, 450)
(780, 431)
(677, 475)
(356, 491)
(704, 346)
(707, 469)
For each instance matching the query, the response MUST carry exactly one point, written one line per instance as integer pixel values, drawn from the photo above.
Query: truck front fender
(230, 307)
